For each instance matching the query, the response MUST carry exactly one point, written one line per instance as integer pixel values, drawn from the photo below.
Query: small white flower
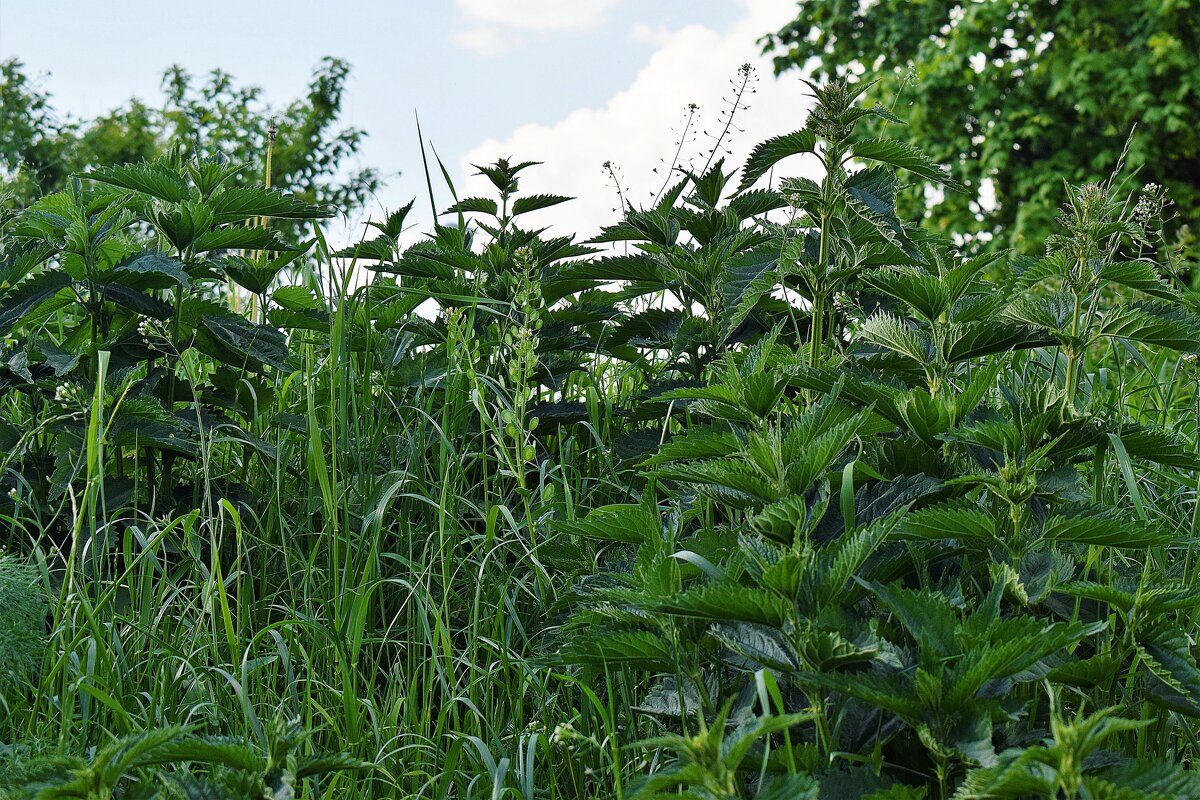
(563, 732)
(12, 493)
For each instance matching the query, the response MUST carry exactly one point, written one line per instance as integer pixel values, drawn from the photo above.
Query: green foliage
(137, 765)
(762, 493)
(216, 117)
(1019, 97)
(22, 622)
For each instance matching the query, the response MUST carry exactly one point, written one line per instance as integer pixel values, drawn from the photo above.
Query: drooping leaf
(239, 203)
(247, 342)
(767, 154)
(906, 157)
(235, 238)
(26, 297)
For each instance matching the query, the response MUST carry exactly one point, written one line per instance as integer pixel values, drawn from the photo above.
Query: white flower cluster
(1149, 204)
(564, 735)
(154, 332)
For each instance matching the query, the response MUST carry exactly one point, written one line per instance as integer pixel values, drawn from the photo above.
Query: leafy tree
(214, 116)
(1018, 97)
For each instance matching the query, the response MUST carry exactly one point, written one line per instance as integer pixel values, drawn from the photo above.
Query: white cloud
(634, 129)
(657, 35)
(491, 27)
(482, 40)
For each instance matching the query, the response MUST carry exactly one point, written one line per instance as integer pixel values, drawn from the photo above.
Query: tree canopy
(1020, 96)
(214, 115)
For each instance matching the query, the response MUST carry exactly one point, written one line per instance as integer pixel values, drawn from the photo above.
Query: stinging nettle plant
(784, 496)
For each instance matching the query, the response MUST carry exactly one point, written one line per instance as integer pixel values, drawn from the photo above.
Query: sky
(572, 83)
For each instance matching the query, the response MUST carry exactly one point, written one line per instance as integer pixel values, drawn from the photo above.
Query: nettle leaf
(324, 763)
(151, 270)
(759, 643)
(636, 268)
(1154, 324)
(767, 154)
(637, 648)
(137, 300)
(948, 521)
(1140, 275)
(927, 294)
(975, 340)
(725, 602)
(244, 341)
(929, 616)
(1118, 597)
(209, 173)
(746, 278)
(755, 203)
(239, 239)
(478, 205)
(24, 299)
(297, 298)
(151, 177)
(793, 787)
(60, 360)
(536, 202)
(629, 523)
(143, 421)
(896, 335)
(1158, 445)
(18, 260)
(1050, 313)
(1017, 774)
(1167, 652)
(697, 443)
(252, 276)
(1140, 779)
(238, 203)
(1105, 527)
(378, 249)
(906, 157)
(875, 188)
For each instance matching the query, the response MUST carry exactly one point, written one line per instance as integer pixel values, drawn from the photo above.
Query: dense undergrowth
(778, 496)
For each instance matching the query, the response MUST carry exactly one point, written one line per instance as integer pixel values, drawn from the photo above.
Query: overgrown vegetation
(779, 497)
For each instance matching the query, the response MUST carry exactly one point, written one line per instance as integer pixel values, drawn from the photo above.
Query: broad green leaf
(536, 202)
(25, 298)
(620, 523)
(154, 178)
(239, 203)
(478, 205)
(767, 154)
(162, 270)
(239, 239)
(247, 342)
(906, 157)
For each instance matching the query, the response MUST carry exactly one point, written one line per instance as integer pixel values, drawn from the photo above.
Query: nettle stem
(816, 330)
